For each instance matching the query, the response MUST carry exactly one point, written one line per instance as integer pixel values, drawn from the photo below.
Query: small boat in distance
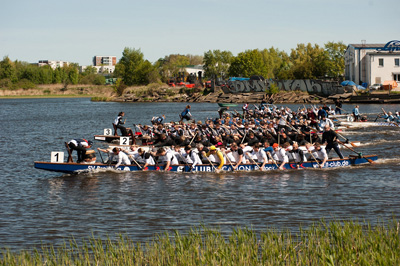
(227, 104)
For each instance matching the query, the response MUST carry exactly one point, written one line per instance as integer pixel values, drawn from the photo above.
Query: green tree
(59, 75)
(247, 64)
(45, 75)
(72, 73)
(128, 66)
(143, 72)
(216, 63)
(171, 65)
(309, 62)
(335, 58)
(195, 59)
(276, 63)
(7, 69)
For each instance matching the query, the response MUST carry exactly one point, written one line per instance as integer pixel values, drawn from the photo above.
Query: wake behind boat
(369, 124)
(79, 168)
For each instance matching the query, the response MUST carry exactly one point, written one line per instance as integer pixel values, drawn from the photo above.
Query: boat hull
(78, 168)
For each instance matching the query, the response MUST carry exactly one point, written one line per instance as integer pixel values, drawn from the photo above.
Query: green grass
(101, 99)
(46, 96)
(323, 243)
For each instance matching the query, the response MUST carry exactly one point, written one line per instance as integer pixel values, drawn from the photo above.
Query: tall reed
(323, 243)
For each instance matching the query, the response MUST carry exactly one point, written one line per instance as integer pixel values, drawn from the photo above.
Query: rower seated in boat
(145, 158)
(167, 157)
(191, 157)
(279, 156)
(296, 155)
(90, 156)
(116, 156)
(215, 156)
(318, 153)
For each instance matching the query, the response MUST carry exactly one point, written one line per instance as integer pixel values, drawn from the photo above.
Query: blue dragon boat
(79, 167)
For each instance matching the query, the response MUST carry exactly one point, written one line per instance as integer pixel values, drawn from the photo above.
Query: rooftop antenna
(363, 42)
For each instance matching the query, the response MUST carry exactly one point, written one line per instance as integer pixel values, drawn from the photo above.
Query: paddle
(184, 161)
(133, 159)
(192, 139)
(254, 161)
(359, 153)
(101, 157)
(245, 133)
(312, 155)
(269, 154)
(340, 135)
(229, 160)
(215, 169)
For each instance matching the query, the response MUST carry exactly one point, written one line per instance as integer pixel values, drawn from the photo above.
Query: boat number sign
(124, 141)
(57, 157)
(107, 131)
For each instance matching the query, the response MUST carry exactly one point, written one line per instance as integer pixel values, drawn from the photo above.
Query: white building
(372, 63)
(52, 63)
(100, 69)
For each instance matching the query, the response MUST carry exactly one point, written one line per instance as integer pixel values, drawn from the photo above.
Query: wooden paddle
(315, 159)
(351, 143)
(215, 169)
(133, 159)
(269, 154)
(229, 160)
(192, 139)
(254, 161)
(359, 153)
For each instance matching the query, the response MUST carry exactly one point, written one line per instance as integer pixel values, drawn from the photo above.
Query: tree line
(306, 61)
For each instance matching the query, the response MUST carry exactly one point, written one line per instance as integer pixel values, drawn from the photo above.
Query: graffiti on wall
(308, 85)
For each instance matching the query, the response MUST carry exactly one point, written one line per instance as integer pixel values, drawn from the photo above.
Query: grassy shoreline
(323, 243)
(46, 96)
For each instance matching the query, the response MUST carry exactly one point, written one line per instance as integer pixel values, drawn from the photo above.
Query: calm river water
(44, 207)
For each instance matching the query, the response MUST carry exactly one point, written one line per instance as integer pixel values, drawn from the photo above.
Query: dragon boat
(89, 167)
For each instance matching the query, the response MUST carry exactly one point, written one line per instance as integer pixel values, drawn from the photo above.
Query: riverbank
(163, 93)
(324, 243)
(59, 90)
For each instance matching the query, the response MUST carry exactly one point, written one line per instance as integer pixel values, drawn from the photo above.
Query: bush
(273, 89)
(25, 84)
(119, 87)
(5, 83)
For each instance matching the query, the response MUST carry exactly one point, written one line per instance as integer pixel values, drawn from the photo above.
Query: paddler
(216, 156)
(186, 113)
(80, 145)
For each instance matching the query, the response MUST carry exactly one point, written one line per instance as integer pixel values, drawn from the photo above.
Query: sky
(75, 31)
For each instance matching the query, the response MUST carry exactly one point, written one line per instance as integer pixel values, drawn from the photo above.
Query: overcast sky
(75, 31)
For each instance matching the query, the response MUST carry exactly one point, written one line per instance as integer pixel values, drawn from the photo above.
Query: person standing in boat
(222, 110)
(338, 107)
(80, 145)
(356, 113)
(330, 137)
(118, 124)
(186, 114)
